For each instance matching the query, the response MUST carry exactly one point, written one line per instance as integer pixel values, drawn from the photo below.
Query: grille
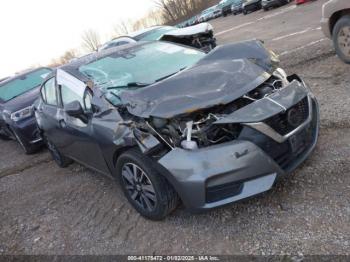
(285, 123)
(217, 193)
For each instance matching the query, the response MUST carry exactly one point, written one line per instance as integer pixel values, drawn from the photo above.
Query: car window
(49, 92)
(22, 83)
(68, 95)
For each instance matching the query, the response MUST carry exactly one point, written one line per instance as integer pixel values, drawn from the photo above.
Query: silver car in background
(336, 25)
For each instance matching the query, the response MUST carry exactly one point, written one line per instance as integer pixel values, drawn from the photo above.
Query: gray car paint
(239, 161)
(190, 172)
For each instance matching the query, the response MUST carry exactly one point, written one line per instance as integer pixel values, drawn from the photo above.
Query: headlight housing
(22, 114)
(281, 74)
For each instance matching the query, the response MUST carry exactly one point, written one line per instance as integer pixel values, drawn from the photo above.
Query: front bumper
(27, 130)
(219, 175)
(325, 27)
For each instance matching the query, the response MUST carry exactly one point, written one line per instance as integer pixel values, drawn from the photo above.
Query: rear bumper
(219, 175)
(271, 3)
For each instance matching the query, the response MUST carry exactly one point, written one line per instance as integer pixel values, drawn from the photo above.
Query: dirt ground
(74, 211)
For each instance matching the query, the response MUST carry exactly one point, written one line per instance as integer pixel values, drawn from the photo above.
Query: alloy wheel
(344, 40)
(139, 186)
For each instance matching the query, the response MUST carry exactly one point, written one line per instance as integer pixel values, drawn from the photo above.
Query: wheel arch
(119, 151)
(335, 18)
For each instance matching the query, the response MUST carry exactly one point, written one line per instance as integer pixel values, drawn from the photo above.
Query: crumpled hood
(224, 75)
(190, 30)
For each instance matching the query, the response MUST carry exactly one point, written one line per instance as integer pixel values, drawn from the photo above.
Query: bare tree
(91, 40)
(176, 11)
(67, 56)
(123, 28)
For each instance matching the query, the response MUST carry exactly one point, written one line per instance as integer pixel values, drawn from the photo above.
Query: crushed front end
(222, 154)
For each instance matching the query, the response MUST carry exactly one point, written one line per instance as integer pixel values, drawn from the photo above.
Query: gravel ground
(47, 210)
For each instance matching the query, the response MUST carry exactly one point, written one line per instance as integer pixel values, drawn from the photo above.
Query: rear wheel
(245, 12)
(341, 38)
(61, 160)
(147, 191)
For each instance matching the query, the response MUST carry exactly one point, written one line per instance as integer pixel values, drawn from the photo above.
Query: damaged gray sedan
(173, 123)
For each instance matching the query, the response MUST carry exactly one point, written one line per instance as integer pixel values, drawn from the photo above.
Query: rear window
(22, 84)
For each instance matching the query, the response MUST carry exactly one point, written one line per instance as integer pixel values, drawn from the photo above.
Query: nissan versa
(174, 123)
(17, 121)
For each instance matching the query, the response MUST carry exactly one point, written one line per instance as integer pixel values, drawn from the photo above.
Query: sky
(33, 32)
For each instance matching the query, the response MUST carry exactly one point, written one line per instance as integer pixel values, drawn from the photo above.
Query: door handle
(62, 123)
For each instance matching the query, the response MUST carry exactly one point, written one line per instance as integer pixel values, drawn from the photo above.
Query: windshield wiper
(165, 77)
(131, 84)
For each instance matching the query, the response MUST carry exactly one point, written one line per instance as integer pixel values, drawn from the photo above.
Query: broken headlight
(282, 75)
(22, 114)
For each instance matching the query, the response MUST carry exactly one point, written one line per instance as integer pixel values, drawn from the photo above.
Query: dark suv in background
(237, 7)
(226, 6)
(17, 120)
(251, 6)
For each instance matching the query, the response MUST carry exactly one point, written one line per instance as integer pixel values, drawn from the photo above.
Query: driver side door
(79, 142)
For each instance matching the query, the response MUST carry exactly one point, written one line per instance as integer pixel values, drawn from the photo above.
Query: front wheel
(341, 38)
(147, 191)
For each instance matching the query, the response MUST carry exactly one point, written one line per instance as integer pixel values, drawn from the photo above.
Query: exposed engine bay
(204, 41)
(199, 129)
(200, 36)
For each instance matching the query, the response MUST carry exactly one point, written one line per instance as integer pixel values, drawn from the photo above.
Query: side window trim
(43, 88)
(90, 94)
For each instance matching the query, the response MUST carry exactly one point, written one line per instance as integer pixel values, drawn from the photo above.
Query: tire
(27, 147)
(245, 12)
(61, 160)
(146, 190)
(341, 38)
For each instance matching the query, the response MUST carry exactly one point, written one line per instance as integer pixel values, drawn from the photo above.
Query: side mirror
(74, 109)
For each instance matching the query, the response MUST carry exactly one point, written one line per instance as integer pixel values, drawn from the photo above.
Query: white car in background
(200, 36)
(336, 25)
(206, 15)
